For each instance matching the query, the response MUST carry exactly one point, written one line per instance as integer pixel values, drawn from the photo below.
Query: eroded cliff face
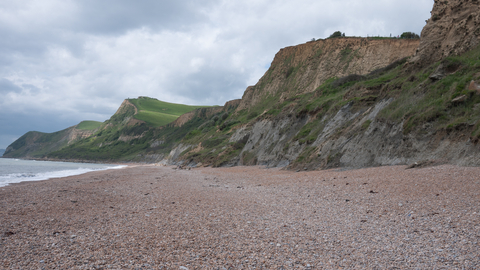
(453, 28)
(303, 68)
(290, 121)
(350, 139)
(205, 112)
(36, 144)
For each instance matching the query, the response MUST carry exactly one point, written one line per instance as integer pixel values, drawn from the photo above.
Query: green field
(158, 113)
(89, 125)
(155, 119)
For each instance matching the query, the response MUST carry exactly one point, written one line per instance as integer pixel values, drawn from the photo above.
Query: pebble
(294, 221)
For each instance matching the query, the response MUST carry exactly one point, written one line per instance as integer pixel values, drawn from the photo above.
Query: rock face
(454, 28)
(303, 68)
(355, 136)
(36, 144)
(205, 112)
(124, 114)
(350, 139)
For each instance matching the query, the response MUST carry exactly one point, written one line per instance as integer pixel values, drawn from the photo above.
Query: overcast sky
(64, 61)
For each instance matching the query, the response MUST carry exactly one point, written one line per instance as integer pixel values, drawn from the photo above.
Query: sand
(154, 217)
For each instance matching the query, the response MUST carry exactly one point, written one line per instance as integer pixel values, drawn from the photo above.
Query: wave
(21, 177)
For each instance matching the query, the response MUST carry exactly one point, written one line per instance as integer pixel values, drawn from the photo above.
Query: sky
(65, 61)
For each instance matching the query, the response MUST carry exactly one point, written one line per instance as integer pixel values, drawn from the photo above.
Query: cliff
(453, 29)
(343, 102)
(206, 113)
(130, 130)
(36, 144)
(354, 102)
(303, 68)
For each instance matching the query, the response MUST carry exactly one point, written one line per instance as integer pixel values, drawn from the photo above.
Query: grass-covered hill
(157, 113)
(136, 120)
(36, 144)
(88, 125)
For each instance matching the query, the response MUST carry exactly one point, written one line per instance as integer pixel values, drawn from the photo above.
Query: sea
(18, 170)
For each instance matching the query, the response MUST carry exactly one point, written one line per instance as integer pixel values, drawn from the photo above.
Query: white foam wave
(21, 177)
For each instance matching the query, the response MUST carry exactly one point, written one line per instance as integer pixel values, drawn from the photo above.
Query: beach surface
(156, 217)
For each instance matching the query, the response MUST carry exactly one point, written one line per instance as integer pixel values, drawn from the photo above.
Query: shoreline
(48, 175)
(159, 217)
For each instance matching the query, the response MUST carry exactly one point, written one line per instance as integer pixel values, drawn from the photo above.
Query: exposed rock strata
(312, 63)
(453, 28)
(343, 143)
(352, 137)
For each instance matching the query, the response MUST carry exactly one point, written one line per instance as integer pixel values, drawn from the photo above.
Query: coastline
(159, 217)
(14, 171)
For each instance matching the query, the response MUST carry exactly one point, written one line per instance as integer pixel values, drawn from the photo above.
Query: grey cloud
(220, 85)
(31, 88)
(117, 16)
(7, 86)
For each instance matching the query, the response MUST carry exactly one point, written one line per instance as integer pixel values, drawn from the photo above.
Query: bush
(336, 34)
(410, 35)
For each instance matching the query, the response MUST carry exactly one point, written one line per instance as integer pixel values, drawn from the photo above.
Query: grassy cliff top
(159, 113)
(89, 125)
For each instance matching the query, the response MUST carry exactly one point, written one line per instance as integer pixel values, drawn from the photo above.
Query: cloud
(6, 86)
(71, 60)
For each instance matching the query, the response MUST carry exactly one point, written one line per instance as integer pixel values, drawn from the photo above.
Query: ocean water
(18, 170)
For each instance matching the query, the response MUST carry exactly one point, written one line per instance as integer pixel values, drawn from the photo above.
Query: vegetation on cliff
(442, 97)
(129, 131)
(156, 113)
(327, 103)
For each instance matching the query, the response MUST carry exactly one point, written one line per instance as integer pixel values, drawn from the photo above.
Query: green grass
(155, 119)
(425, 101)
(89, 125)
(159, 113)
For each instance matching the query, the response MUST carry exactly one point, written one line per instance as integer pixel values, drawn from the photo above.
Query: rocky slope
(454, 28)
(126, 132)
(299, 116)
(36, 144)
(303, 68)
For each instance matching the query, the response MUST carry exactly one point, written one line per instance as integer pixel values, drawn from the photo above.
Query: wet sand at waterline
(155, 217)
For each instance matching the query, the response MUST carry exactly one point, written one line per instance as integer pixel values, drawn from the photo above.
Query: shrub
(410, 35)
(336, 34)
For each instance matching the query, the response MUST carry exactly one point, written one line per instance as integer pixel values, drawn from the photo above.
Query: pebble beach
(161, 217)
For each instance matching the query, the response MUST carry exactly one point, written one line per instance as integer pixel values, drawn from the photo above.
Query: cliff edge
(303, 68)
(453, 29)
